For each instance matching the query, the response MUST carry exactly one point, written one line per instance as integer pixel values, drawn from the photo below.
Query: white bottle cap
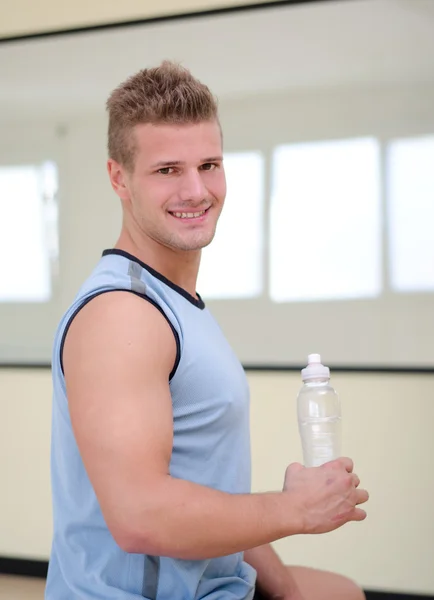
(314, 369)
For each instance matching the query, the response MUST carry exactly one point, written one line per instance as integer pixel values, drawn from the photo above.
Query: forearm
(189, 521)
(274, 579)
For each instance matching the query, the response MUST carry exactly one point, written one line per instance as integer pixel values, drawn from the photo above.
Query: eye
(208, 166)
(165, 171)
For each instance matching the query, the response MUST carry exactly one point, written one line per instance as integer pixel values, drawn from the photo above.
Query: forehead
(186, 142)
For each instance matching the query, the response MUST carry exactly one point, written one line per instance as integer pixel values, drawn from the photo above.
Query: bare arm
(118, 354)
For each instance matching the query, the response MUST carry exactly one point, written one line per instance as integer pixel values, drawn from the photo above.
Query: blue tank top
(211, 447)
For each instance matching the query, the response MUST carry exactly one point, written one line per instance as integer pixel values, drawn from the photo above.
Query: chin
(195, 244)
(205, 243)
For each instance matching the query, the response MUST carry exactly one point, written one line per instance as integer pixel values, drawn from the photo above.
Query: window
(231, 266)
(28, 232)
(411, 214)
(325, 221)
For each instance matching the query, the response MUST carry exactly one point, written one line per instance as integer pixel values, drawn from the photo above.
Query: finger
(347, 463)
(358, 515)
(295, 467)
(362, 496)
(355, 479)
(338, 463)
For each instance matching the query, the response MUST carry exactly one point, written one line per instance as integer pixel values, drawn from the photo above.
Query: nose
(192, 187)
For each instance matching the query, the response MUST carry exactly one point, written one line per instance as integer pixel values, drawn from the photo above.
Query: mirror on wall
(325, 243)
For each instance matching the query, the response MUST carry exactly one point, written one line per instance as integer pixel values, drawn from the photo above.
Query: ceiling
(313, 45)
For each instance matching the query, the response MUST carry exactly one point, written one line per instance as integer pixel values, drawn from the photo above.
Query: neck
(179, 267)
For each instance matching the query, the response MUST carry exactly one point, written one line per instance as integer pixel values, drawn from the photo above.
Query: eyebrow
(174, 163)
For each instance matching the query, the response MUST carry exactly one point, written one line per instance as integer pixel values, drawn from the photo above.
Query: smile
(189, 215)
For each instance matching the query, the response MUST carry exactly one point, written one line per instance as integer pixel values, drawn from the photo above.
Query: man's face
(176, 191)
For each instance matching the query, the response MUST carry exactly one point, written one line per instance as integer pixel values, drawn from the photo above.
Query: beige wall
(387, 431)
(27, 16)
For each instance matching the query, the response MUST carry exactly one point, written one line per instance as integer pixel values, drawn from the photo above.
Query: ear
(118, 179)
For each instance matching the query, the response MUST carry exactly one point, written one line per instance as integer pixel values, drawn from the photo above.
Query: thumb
(293, 468)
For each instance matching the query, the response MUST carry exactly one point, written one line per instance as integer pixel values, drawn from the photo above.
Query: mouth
(190, 217)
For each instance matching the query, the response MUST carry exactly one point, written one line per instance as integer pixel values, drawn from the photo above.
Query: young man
(150, 438)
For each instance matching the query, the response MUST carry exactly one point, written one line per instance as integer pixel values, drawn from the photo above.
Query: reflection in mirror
(325, 241)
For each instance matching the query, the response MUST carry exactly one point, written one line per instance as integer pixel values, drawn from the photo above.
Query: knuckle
(348, 480)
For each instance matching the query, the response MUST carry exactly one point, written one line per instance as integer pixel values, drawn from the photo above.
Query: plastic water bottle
(319, 415)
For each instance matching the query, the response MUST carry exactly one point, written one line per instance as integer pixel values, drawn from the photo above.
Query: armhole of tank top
(77, 310)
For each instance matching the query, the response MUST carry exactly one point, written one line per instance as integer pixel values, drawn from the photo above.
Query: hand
(326, 497)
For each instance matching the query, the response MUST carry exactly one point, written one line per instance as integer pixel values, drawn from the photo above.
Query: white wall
(387, 431)
(26, 17)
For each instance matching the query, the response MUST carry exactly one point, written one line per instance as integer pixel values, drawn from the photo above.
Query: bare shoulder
(120, 328)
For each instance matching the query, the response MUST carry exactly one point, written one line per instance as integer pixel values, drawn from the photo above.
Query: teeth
(188, 215)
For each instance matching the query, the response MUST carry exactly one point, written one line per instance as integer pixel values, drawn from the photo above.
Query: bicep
(117, 357)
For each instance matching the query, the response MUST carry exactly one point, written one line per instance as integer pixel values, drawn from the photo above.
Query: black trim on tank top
(196, 301)
(83, 304)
